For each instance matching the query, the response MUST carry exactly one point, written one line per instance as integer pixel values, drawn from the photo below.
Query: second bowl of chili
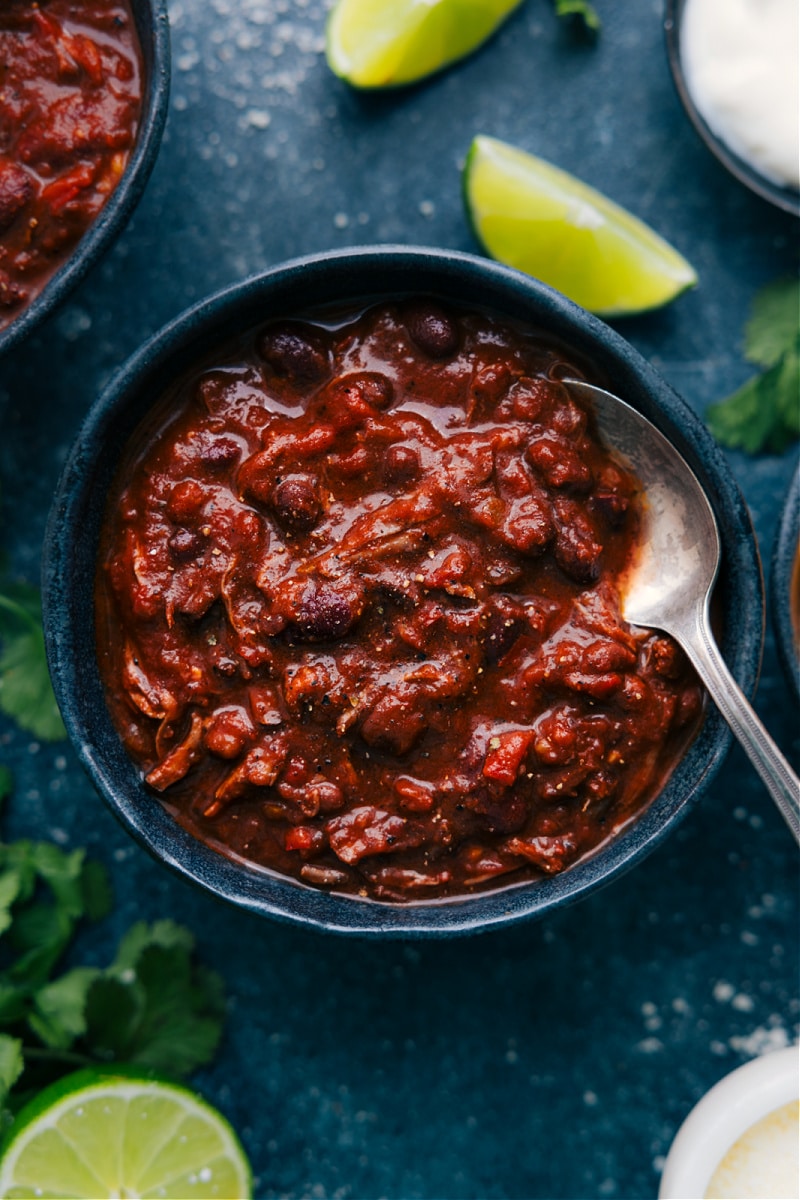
(86, 88)
(356, 659)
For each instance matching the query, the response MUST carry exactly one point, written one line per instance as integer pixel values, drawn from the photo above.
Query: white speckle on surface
(59, 836)
(257, 118)
(748, 938)
(185, 62)
(341, 220)
(742, 1002)
(650, 1045)
(718, 1048)
(427, 208)
(649, 1009)
(73, 322)
(762, 1040)
(590, 1099)
(723, 991)
(60, 763)
(205, 1175)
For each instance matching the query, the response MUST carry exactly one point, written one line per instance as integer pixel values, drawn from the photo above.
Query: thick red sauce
(358, 609)
(70, 100)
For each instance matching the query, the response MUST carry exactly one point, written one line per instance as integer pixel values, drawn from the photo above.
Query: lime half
(534, 216)
(92, 1136)
(385, 43)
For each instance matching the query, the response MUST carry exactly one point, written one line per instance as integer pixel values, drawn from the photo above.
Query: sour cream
(764, 1161)
(742, 68)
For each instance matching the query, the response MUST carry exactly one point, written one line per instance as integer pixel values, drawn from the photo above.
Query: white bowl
(720, 1118)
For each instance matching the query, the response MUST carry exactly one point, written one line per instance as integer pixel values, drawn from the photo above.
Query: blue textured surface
(555, 1059)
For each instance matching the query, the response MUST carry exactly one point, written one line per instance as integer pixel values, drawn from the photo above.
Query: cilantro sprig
(153, 1006)
(25, 691)
(764, 414)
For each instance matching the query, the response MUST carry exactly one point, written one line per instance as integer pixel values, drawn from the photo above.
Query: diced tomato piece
(506, 754)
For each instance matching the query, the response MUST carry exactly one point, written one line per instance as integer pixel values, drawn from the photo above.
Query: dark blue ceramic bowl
(74, 526)
(152, 28)
(782, 197)
(785, 586)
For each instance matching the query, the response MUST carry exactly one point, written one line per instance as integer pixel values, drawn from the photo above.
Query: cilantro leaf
(113, 1012)
(96, 887)
(582, 14)
(59, 1008)
(13, 1002)
(63, 873)
(10, 886)
(11, 1064)
(26, 694)
(164, 933)
(774, 321)
(39, 930)
(40, 934)
(155, 1007)
(763, 414)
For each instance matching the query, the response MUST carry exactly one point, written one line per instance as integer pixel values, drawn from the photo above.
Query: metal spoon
(671, 584)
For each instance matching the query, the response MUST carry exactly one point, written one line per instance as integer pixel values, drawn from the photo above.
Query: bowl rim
(152, 28)
(785, 198)
(726, 1111)
(785, 561)
(356, 275)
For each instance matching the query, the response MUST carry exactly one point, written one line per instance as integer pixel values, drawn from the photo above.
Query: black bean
(374, 388)
(186, 544)
(326, 615)
(401, 464)
(502, 631)
(219, 453)
(296, 352)
(296, 503)
(612, 507)
(432, 329)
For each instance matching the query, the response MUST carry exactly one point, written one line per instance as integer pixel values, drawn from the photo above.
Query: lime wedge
(534, 216)
(385, 43)
(92, 1136)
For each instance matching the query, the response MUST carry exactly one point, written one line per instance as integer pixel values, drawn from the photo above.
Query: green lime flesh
(533, 216)
(94, 1135)
(396, 42)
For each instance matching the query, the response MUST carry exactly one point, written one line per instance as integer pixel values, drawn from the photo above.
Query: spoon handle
(781, 782)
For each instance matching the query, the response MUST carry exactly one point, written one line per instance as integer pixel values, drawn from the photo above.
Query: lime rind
(538, 218)
(399, 42)
(94, 1133)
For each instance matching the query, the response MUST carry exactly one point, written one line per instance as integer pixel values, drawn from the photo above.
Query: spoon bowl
(669, 586)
